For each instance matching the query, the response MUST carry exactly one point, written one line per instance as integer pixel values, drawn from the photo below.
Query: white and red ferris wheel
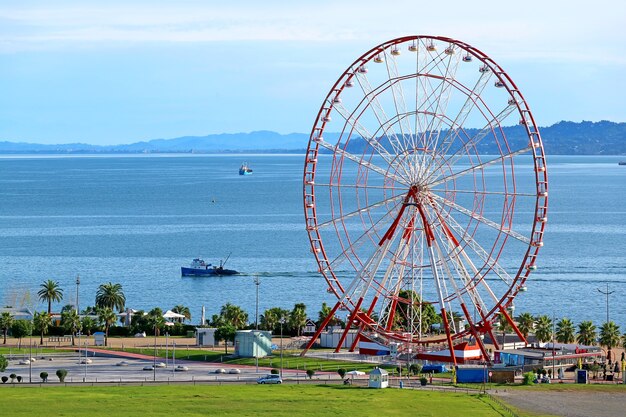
(418, 202)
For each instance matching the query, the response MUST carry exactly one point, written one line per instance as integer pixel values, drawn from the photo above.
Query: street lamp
(77, 285)
(607, 293)
(155, 352)
(257, 282)
(282, 321)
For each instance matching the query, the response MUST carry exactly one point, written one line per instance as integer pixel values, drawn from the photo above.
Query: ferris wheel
(425, 193)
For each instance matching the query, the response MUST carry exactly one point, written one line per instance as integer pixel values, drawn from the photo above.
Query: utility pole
(257, 282)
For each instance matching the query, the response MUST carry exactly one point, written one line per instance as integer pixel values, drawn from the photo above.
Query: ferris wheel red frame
(400, 193)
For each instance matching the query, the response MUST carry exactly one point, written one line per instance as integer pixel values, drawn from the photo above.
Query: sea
(136, 219)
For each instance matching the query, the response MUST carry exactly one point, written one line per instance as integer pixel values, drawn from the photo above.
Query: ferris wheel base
(463, 352)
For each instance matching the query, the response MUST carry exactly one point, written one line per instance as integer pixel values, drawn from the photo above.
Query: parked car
(270, 379)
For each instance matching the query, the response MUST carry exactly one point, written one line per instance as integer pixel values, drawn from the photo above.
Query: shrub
(4, 379)
(61, 373)
(341, 372)
(44, 376)
(275, 371)
(19, 378)
(310, 373)
(12, 376)
(415, 368)
(3, 363)
(423, 380)
(529, 377)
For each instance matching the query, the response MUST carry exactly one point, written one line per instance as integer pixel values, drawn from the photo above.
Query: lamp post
(155, 351)
(282, 321)
(257, 282)
(607, 293)
(77, 285)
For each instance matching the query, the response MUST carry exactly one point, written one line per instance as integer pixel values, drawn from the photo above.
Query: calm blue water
(136, 220)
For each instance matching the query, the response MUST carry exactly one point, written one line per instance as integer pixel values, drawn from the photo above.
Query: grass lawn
(240, 400)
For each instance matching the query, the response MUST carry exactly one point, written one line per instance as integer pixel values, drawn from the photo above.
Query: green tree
(50, 292)
(234, 316)
(180, 309)
(525, 323)
(6, 320)
(155, 320)
(41, 322)
(410, 312)
(504, 326)
(325, 312)
(216, 321)
(3, 363)
(20, 329)
(297, 318)
(565, 331)
(88, 324)
(70, 321)
(271, 317)
(227, 334)
(609, 336)
(543, 329)
(586, 333)
(110, 295)
(107, 317)
(624, 341)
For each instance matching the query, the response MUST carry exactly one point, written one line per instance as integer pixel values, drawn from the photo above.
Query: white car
(181, 368)
(270, 379)
(220, 371)
(122, 363)
(234, 371)
(148, 368)
(160, 365)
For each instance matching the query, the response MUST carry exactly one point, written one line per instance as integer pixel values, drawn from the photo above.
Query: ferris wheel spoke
(378, 111)
(467, 241)
(481, 166)
(479, 136)
(363, 133)
(398, 98)
(360, 161)
(359, 211)
(482, 192)
(482, 219)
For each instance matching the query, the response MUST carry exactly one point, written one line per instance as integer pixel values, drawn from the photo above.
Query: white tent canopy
(169, 314)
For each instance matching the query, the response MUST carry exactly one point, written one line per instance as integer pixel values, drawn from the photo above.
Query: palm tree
(525, 323)
(543, 329)
(42, 322)
(297, 318)
(504, 326)
(586, 333)
(107, 317)
(70, 321)
(155, 320)
(110, 295)
(180, 309)
(6, 320)
(49, 292)
(270, 318)
(609, 337)
(234, 315)
(565, 331)
(88, 325)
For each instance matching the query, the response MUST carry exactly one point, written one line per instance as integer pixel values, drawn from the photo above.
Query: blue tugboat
(244, 169)
(199, 268)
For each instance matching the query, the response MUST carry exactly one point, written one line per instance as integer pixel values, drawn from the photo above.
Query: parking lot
(101, 368)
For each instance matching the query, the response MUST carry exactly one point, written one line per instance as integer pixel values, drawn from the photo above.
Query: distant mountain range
(564, 138)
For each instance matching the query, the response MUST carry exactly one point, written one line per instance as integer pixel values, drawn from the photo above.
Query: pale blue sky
(108, 72)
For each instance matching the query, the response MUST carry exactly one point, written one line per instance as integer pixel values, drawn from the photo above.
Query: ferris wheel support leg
(362, 326)
(318, 332)
(481, 345)
(513, 325)
(448, 335)
(349, 322)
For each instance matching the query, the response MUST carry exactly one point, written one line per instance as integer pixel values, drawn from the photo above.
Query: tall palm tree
(107, 317)
(180, 309)
(565, 331)
(42, 322)
(6, 320)
(111, 295)
(525, 323)
(609, 336)
(297, 318)
(70, 321)
(504, 326)
(49, 292)
(543, 328)
(271, 317)
(586, 333)
(155, 320)
(234, 315)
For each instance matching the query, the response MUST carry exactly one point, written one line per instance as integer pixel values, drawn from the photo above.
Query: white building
(379, 378)
(205, 336)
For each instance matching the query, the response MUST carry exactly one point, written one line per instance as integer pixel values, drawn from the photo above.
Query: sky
(112, 72)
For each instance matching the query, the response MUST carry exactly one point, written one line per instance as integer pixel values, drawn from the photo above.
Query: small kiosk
(379, 378)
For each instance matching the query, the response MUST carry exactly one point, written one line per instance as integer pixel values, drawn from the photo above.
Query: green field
(240, 400)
